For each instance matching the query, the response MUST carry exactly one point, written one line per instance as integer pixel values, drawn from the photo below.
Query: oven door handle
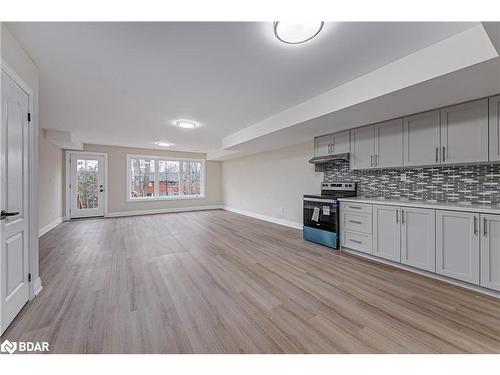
(321, 200)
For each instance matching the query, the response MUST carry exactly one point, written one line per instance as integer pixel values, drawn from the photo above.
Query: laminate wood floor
(218, 282)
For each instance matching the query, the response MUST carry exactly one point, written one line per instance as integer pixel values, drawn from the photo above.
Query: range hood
(337, 158)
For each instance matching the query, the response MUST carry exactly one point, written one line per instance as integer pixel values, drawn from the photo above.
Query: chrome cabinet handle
(475, 225)
(376, 159)
(444, 153)
(356, 241)
(437, 154)
(355, 207)
(371, 160)
(485, 224)
(397, 216)
(355, 222)
(402, 216)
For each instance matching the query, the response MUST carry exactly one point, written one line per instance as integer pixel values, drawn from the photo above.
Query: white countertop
(454, 206)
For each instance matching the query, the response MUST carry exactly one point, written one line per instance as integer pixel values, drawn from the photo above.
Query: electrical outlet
(403, 176)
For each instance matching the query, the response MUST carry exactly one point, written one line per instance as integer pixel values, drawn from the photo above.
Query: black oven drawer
(320, 215)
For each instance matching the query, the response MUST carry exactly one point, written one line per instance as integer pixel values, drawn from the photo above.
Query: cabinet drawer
(357, 222)
(356, 207)
(357, 241)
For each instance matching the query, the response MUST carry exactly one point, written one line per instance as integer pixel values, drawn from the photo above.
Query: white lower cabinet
(457, 245)
(490, 251)
(418, 238)
(387, 232)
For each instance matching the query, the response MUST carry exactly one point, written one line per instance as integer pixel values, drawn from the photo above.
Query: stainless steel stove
(320, 214)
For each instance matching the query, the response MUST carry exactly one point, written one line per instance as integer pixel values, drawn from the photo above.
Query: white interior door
(87, 185)
(14, 225)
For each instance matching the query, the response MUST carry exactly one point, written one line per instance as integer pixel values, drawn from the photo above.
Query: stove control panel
(349, 186)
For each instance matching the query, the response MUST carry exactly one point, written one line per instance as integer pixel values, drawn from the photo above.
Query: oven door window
(320, 215)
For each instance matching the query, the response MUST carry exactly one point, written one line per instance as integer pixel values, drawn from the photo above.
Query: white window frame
(157, 158)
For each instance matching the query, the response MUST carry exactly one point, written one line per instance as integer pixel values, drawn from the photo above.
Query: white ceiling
(125, 83)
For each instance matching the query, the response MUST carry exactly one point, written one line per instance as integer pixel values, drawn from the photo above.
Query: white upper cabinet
(362, 148)
(418, 238)
(421, 139)
(337, 143)
(464, 132)
(494, 128)
(457, 245)
(341, 142)
(490, 251)
(388, 138)
(387, 232)
(322, 145)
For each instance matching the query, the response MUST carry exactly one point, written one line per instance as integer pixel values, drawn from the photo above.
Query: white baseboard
(271, 219)
(37, 286)
(163, 211)
(49, 226)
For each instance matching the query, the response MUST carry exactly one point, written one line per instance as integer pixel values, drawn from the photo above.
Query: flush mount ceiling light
(186, 124)
(296, 32)
(164, 144)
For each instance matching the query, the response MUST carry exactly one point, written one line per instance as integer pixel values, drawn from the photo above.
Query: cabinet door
(494, 125)
(457, 245)
(341, 142)
(490, 251)
(387, 232)
(322, 145)
(464, 132)
(418, 238)
(362, 148)
(388, 144)
(421, 139)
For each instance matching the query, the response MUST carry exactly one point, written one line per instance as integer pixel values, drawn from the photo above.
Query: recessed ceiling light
(186, 124)
(296, 32)
(164, 144)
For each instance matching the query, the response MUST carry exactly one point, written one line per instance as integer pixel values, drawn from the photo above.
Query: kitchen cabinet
(362, 148)
(464, 132)
(331, 144)
(421, 139)
(494, 126)
(490, 251)
(461, 245)
(457, 245)
(356, 226)
(418, 238)
(322, 145)
(388, 138)
(341, 142)
(387, 232)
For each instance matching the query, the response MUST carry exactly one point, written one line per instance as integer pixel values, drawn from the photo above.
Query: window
(153, 178)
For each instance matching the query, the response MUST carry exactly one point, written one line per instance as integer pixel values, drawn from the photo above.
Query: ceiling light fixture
(164, 144)
(186, 124)
(296, 32)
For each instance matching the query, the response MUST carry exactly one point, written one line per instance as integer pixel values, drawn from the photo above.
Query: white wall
(271, 184)
(50, 184)
(117, 181)
(16, 57)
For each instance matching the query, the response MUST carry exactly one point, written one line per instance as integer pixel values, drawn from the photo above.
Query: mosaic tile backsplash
(464, 184)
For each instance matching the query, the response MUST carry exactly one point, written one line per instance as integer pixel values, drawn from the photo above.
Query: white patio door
(14, 282)
(87, 185)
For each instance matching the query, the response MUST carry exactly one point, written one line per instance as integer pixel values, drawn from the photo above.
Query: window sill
(168, 198)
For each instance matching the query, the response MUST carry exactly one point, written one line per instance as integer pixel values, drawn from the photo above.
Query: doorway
(87, 184)
(16, 212)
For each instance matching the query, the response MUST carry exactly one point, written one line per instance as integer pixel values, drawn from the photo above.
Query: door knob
(5, 214)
